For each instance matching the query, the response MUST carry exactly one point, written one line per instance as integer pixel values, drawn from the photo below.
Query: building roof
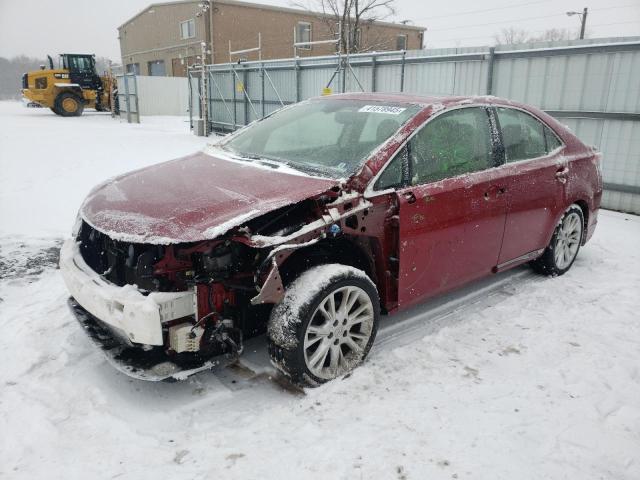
(266, 7)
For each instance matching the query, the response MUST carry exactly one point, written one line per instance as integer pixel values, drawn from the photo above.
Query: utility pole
(583, 20)
(205, 13)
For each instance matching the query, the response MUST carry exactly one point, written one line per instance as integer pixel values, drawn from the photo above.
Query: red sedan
(311, 223)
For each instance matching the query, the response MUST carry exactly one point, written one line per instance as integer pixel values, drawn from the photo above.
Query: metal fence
(592, 86)
(127, 97)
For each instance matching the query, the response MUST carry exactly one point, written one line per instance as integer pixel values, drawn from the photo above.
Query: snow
(518, 376)
(120, 223)
(48, 164)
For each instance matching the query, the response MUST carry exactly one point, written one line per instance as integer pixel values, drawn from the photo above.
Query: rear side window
(452, 144)
(523, 136)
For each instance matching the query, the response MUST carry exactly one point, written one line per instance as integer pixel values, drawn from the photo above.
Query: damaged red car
(312, 222)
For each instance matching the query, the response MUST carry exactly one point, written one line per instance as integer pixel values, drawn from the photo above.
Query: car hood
(198, 197)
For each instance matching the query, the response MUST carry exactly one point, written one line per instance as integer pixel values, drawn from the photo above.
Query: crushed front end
(166, 311)
(160, 312)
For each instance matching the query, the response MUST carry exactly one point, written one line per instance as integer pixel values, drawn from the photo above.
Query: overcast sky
(38, 27)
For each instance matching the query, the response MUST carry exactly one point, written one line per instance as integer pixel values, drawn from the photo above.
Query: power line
(484, 10)
(534, 31)
(607, 24)
(519, 19)
(614, 7)
(495, 23)
(514, 6)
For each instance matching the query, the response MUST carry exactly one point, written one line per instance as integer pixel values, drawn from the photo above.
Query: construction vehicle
(71, 88)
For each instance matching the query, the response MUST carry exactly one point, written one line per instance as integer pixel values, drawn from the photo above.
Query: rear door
(535, 174)
(452, 211)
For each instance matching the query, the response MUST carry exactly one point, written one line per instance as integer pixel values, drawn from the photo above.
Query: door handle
(562, 174)
(409, 197)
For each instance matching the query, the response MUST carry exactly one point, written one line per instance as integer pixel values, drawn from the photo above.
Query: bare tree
(511, 36)
(552, 35)
(351, 15)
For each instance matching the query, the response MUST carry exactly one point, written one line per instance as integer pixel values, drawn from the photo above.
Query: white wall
(163, 95)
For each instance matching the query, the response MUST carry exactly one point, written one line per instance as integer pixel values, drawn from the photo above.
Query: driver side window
(452, 144)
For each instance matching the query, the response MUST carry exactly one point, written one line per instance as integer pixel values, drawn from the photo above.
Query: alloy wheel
(568, 240)
(338, 332)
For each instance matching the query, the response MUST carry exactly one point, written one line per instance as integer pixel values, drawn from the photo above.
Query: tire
(54, 110)
(68, 105)
(565, 243)
(309, 341)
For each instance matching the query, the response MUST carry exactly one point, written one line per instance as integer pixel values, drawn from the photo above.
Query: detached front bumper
(150, 365)
(136, 318)
(127, 326)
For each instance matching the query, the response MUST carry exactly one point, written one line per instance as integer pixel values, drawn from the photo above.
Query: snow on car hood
(198, 197)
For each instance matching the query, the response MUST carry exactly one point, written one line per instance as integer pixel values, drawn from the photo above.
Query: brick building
(164, 38)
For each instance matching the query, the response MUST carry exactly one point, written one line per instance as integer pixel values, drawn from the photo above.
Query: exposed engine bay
(218, 292)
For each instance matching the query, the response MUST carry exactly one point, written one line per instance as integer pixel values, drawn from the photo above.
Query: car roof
(426, 100)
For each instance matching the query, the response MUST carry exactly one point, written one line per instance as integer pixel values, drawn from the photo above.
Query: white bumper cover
(138, 317)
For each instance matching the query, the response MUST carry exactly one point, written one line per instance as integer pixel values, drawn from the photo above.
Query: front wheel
(325, 325)
(68, 105)
(565, 243)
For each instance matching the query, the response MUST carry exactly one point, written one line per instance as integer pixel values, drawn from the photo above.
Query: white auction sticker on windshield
(388, 109)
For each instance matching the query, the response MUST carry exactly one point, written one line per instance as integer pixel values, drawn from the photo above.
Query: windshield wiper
(268, 161)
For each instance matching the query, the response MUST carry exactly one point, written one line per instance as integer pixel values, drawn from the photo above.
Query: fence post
(262, 111)
(373, 73)
(126, 97)
(404, 52)
(135, 87)
(233, 89)
(297, 74)
(490, 63)
(246, 95)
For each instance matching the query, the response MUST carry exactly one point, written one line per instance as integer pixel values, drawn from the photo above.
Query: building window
(188, 29)
(401, 42)
(303, 34)
(156, 68)
(133, 68)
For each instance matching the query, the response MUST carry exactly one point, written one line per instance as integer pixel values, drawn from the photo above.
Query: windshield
(328, 137)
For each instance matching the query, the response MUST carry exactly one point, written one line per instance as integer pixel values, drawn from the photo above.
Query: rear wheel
(565, 243)
(325, 325)
(68, 105)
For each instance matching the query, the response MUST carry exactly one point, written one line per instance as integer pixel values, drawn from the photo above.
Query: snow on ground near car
(48, 163)
(516, 377)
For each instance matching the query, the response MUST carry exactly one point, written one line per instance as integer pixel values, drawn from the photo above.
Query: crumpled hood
(198, 197)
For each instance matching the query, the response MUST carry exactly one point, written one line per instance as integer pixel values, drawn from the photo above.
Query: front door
(535, 174)
(452, 211)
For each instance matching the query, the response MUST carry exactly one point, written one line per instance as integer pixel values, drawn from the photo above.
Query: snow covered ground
(515, 377)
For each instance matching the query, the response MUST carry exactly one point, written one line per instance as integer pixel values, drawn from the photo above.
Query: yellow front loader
(71, 88)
